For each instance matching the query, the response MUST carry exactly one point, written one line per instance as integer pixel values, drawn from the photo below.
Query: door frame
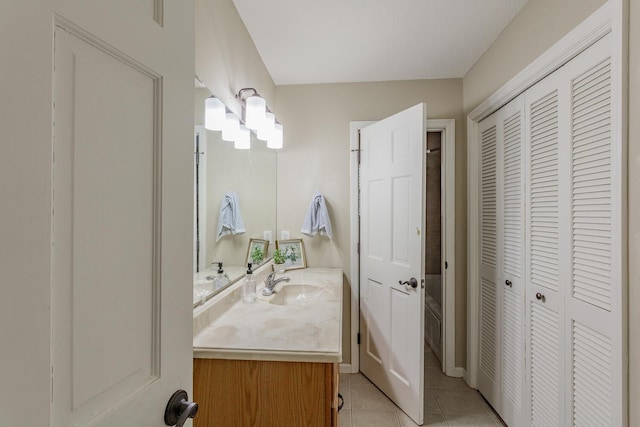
(608, 18)
(201, 263)
(447, 128)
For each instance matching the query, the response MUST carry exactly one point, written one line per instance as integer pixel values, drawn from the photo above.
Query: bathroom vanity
(274, 362)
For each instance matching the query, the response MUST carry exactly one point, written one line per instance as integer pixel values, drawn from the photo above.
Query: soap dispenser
(249, 287)
(221, 279)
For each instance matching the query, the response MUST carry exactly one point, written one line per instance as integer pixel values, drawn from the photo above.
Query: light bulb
(243, 139)
(231, 127)
(214, 113)
(255, 109)
(265, 130)
(276, 138)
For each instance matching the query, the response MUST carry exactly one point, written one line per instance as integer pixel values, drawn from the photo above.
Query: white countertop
(307, 330)
(203, 287)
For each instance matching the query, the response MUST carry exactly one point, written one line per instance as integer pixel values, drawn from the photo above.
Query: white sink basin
(293, 294)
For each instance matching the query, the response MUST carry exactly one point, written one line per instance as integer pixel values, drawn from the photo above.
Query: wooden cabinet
(239, 393)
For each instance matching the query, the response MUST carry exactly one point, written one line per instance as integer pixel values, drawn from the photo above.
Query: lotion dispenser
(221, 278)
(249, 287)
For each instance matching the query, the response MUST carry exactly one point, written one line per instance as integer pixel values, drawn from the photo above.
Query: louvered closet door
(546, 272)
(490, 328)
(574, 303)
(511, 286)
(502, 371)
(594, 326)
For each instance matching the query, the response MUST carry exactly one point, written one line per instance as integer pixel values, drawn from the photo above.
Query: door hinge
(357, 151)
(358, 338)
(446, 265)
(358, 248)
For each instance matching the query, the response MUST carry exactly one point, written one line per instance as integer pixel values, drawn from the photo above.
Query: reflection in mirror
(219, 169)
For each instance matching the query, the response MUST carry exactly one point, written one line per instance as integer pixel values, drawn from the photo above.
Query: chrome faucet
(270, 283)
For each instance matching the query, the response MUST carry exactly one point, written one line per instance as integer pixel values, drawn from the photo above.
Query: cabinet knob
(508, 283)
(540, 296)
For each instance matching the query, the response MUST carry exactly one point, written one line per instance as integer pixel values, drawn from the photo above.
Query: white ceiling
(328, 41)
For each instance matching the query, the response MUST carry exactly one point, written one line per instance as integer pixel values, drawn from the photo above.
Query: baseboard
(465, 376)
(345, 368)
(456, 371)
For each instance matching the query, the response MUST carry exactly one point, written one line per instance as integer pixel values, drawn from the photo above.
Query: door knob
(413, 282)
(179, 409)
(540, 296)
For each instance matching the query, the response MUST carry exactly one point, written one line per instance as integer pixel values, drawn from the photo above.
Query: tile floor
(448, 402)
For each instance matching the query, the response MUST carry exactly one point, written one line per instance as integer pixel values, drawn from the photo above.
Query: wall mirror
(219, 169)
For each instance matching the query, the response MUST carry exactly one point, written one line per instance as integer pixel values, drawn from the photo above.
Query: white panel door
(121, 221)
(392, 247)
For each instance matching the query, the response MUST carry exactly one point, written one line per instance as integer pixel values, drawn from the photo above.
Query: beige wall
(634, 212)
(316, 157)
(226, 58)
(535, 29)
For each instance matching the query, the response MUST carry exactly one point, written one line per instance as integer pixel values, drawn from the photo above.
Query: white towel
(317, 220)
(230, 218)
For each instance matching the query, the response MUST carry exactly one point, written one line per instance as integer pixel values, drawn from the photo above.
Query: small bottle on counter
(221, 279)
(249, 286)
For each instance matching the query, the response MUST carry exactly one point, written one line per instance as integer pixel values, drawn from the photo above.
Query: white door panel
(121, 307)
(593, 300)
(502, 345)
(512, 285)
(546, 244)
(490, 327)
(392, 245)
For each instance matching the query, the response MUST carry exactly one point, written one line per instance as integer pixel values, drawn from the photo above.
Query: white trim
(355, 239)
(458, 372)
(447, 127)
(448, 150)
(346, 368)
(581, 37)
(200, 130)
(620, 127)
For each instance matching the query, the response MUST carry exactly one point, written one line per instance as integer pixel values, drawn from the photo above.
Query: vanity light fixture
(257, 118)
(214, 113)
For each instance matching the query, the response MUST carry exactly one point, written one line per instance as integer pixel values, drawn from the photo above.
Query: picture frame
(257, 251)
(293, 251)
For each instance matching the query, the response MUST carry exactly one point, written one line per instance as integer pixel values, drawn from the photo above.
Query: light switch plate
(268, 235)
(284, 235)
